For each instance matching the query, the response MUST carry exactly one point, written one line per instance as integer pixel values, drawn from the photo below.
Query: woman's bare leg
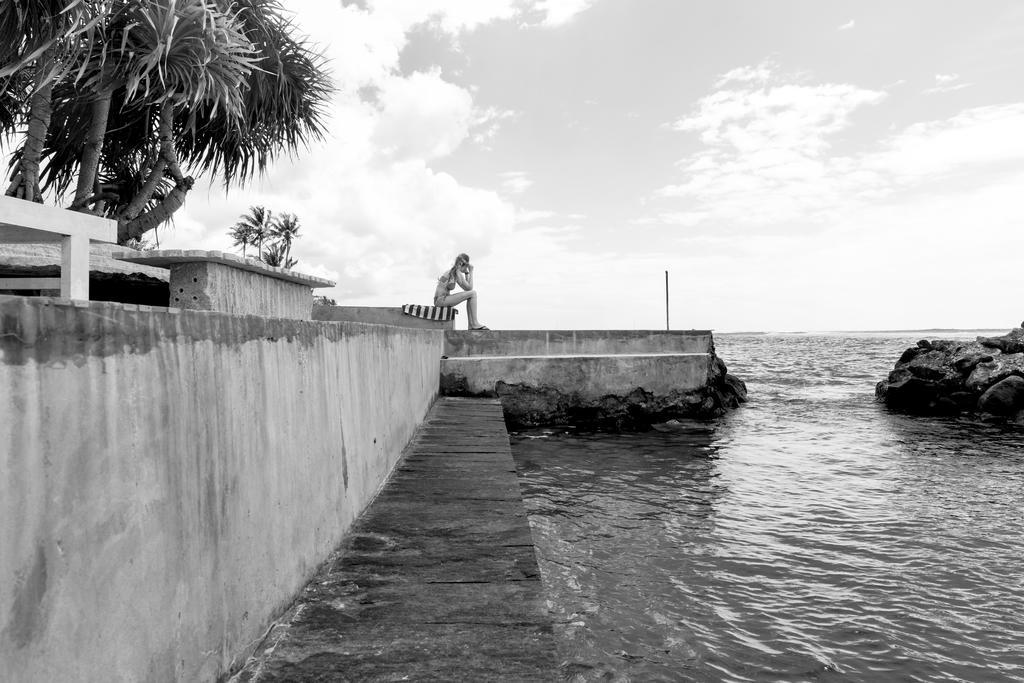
(470, 296)
(471, 311)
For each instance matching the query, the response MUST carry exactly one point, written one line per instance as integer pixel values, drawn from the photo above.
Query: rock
(910, 354)
(1005, 344)
(1005, 398)
(737, 386)
(911, 393)
(966, 364)
(944, 377)
(987, 373)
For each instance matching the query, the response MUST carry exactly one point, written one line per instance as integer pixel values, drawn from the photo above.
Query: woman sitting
(460, 274)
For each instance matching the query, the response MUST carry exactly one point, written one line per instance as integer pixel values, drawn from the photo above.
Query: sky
(794, 165)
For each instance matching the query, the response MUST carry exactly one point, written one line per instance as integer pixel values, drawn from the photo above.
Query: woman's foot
(480, 327)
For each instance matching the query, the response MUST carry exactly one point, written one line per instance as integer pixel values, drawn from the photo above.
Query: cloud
(946, 83)
(767, 157)
(847, 26)
(374, 213)
(974, 141)
(766, 143)
(761, 73)
(422, 116)
(488, 122)
(515, 182)
(560, 12)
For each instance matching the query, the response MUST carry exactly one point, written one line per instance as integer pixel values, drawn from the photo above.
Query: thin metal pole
(666, 301)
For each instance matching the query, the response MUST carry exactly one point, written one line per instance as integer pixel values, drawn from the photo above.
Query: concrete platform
(437, 580)
(588, 376)
(572, 342)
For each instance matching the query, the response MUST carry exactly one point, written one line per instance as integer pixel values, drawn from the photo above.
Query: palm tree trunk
(138, 202)
(137, 226)
(140, 225)
(91, 152)
(165, 155)
(40, 111)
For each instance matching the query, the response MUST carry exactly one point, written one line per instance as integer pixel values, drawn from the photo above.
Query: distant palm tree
(277, 255)
(242, 236)
(285, 231)
(253, 228)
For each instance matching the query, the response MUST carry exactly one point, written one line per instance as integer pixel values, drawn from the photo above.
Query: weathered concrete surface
(618, 391)
(588, 376)
(170, 479)
(381, 315)
(575, 342)
(437, 580)
(218, 287)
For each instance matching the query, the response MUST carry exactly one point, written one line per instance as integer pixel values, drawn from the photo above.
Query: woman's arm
(465, 280)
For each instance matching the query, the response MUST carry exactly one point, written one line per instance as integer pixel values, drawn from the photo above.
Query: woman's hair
(464, 258)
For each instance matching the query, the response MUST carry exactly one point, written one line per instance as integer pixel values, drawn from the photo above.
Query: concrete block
(210, 286)
(216, 281)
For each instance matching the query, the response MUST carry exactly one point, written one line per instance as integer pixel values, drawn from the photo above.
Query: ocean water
(811, 535)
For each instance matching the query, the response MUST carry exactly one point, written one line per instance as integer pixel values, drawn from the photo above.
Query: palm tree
(42, 40)
(253, 228)
(173, 87)
(277, 255)
(242, 236)
(285, 230)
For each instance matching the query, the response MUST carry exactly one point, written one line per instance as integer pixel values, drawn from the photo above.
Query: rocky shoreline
(983, 378)
(529, 406)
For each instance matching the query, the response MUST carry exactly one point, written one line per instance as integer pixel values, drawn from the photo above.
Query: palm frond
(284, 102)
(34, 28)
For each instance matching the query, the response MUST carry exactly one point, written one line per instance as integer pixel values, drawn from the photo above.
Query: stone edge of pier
(437, 579)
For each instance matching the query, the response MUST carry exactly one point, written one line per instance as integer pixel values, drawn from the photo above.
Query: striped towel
(443, 313)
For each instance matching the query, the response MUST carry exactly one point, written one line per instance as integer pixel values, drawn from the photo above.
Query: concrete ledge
(166, 258)
(619, 391)
(381, 315)
(568, 342)
(587, 376)
(215, 281)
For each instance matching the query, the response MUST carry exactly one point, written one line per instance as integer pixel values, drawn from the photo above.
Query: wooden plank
(437, 580)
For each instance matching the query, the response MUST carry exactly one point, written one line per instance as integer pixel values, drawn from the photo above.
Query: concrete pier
(617, 379)
(438, 578)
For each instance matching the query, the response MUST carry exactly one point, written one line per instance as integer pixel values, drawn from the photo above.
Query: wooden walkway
(436, 581)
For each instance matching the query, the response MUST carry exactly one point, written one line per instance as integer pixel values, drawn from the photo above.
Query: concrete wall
(169, 479)
(575, 342)
(381, 315)
(586, 377)
(207, 286)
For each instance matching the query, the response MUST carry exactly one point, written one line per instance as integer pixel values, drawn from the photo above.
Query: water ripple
(811, 535)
